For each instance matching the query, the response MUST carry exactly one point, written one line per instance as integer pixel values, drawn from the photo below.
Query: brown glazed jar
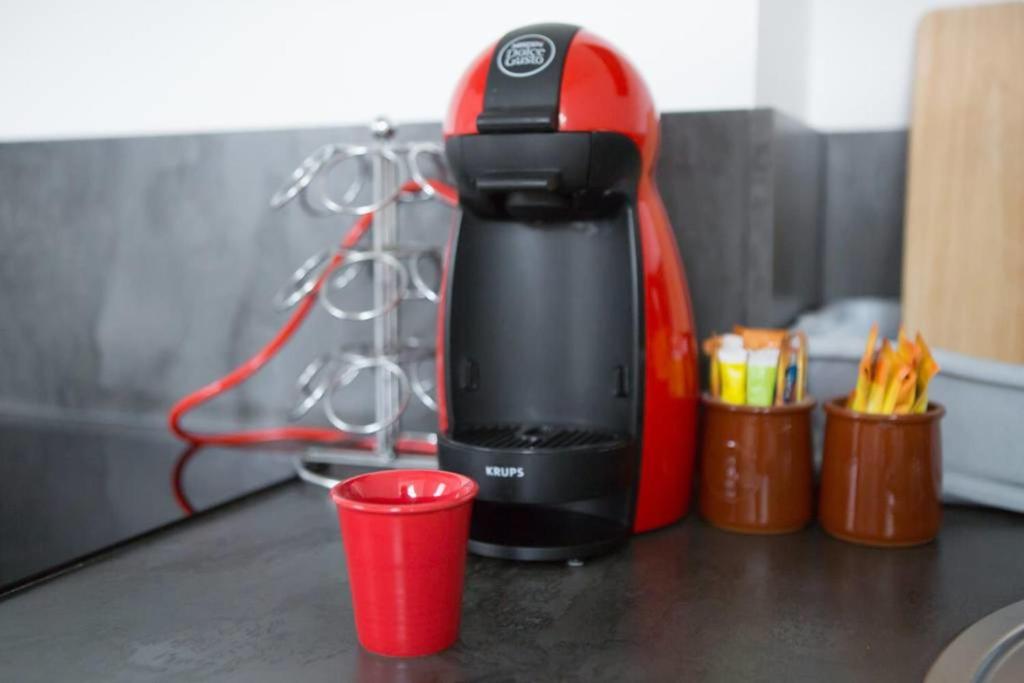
(756, 473)
(881, 476)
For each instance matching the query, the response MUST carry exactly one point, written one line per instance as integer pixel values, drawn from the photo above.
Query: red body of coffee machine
(566, 357)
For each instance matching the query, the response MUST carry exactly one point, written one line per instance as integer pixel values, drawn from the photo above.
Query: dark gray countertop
(256, 591)
(69, 489)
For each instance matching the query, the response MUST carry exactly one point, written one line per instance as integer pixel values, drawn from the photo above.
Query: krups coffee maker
(566, 355)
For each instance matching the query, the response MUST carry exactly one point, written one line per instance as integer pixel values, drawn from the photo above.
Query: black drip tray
(534, 532)
(533, 437)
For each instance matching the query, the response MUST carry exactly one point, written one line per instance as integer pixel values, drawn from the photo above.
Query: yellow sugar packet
(733, 366)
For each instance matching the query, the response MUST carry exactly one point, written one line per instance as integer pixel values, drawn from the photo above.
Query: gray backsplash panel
(704, 173)
(135, 270)
(797, 163)
(741, 190)
(865, 179)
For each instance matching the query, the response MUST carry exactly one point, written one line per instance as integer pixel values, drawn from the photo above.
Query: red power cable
(322, 435)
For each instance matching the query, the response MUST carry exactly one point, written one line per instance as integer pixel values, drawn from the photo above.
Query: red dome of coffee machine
(600, 91)
(567, 357)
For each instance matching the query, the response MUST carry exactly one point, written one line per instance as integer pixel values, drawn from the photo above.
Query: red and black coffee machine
(566, 357)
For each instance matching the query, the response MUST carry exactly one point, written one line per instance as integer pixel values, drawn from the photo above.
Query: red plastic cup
(405, 534)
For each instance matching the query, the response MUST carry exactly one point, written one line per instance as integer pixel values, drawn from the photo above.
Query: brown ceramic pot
(756, 467)
(881, 476)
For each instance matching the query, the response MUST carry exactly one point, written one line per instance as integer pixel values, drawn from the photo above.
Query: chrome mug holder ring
(302, 282)
(353, 365)
(340, 280)
(315, 380)
(404, 261)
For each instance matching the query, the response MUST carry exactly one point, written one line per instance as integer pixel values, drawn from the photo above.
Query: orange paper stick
(908, 351)
(760, 338)
(884, 368)
(859, 400)
(926, 369)
(905, 395)
(896, 387)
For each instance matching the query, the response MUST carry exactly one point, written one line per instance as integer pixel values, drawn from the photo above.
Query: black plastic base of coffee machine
(546, 493)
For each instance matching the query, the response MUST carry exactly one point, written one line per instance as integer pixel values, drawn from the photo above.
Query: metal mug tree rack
(396, 274)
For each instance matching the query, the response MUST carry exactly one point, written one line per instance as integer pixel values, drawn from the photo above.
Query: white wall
(859, 59)
(119, 67)
(783, 52)
(862, 61)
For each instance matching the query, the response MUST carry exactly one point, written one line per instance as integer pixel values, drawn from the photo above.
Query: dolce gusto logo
(526, 55)
(504, 472)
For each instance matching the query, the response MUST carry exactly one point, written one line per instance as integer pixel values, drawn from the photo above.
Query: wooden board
(963, 252)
